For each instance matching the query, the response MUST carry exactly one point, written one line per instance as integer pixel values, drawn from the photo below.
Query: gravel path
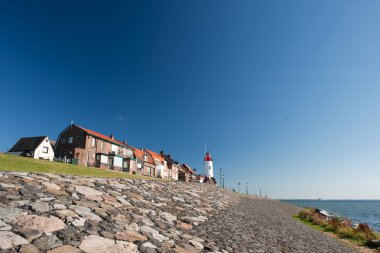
(259, 225)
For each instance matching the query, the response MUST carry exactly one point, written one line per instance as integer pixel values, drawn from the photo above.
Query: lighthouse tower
(209, 168)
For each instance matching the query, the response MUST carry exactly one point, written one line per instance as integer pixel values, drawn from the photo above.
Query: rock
(130, 236)
(65, 213)
(85, 212)
(178, 249)
(152, 233)
(4, 226)
(148, 231)
(40, 223)
(148, 247)
(185, 226)
(194, 220)
(78, 222)
(47, 199)
(196, 244)
(136, 196)
(40, 207)
(132, 227)
(168, 245)
(374, 243)
(168, 217)
(12, 197)
(51, 186)
(4, 185)
(22, 202)
(89, 192)
(47, 242)
(107, 234)
(29, 234)
(75, 196)
(59, 206)
(8, 214)
(98, 244)
(64, 249)
(29, 248)
(9, 240)
(176, 199)
(129, 247)
(123, 201)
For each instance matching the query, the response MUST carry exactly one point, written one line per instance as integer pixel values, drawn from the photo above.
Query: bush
(342, 227)
(367, 231)
(335, 223)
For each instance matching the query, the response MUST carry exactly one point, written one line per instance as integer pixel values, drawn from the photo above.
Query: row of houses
(81, 146)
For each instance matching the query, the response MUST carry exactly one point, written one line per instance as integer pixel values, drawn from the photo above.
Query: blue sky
(284, 93)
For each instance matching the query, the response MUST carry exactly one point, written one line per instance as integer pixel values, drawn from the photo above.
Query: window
(93, 156)
(70, 140)
(78, 138)
(63, 140)
(102, 145)
(45, 150)
(145, 158)
(93, 142)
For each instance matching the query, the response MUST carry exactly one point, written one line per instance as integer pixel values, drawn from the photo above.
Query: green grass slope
(23, 164)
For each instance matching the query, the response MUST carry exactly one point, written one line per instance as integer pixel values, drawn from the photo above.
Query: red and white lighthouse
(209, 168)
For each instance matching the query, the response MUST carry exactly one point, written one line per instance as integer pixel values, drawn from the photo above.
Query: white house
(35, 147)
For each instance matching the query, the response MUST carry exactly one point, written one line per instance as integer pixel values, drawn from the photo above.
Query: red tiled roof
(138, 152)
(150, 157)
(102, 136)
(155, 155)
(189, 168)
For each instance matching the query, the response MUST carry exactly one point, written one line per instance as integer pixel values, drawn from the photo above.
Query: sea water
(359, 211)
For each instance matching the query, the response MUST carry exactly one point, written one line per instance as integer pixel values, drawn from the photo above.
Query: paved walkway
(259, 225)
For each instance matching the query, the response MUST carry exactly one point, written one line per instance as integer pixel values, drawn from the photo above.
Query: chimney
(161, 152)
(125, 141)
(112, 136)
(170, 156)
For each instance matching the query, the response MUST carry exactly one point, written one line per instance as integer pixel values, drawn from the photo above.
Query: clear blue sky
(286, 94)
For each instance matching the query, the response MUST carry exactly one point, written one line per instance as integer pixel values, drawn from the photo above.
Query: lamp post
(220, 176)
(223, 181)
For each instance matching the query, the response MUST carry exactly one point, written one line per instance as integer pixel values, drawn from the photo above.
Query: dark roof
(101, 136)
(169, 159)
(27, 144)
(184, 165)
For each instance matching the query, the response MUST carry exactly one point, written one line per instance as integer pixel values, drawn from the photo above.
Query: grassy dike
(23, 164)
(339, 228)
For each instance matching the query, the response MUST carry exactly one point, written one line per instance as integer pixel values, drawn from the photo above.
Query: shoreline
(352, 212)
(48, 213)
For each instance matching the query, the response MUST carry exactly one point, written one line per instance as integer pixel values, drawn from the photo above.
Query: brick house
(144, 163)
(81, 146)
(162, 170)
(186, 173)
(173, 166)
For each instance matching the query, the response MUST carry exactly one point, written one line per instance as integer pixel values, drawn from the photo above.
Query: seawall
(59, 213)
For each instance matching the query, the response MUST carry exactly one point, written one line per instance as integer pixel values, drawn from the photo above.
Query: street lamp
(220, 176)
(223, 181)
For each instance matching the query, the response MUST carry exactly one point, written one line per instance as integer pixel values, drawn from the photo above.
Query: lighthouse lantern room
(209, 168)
